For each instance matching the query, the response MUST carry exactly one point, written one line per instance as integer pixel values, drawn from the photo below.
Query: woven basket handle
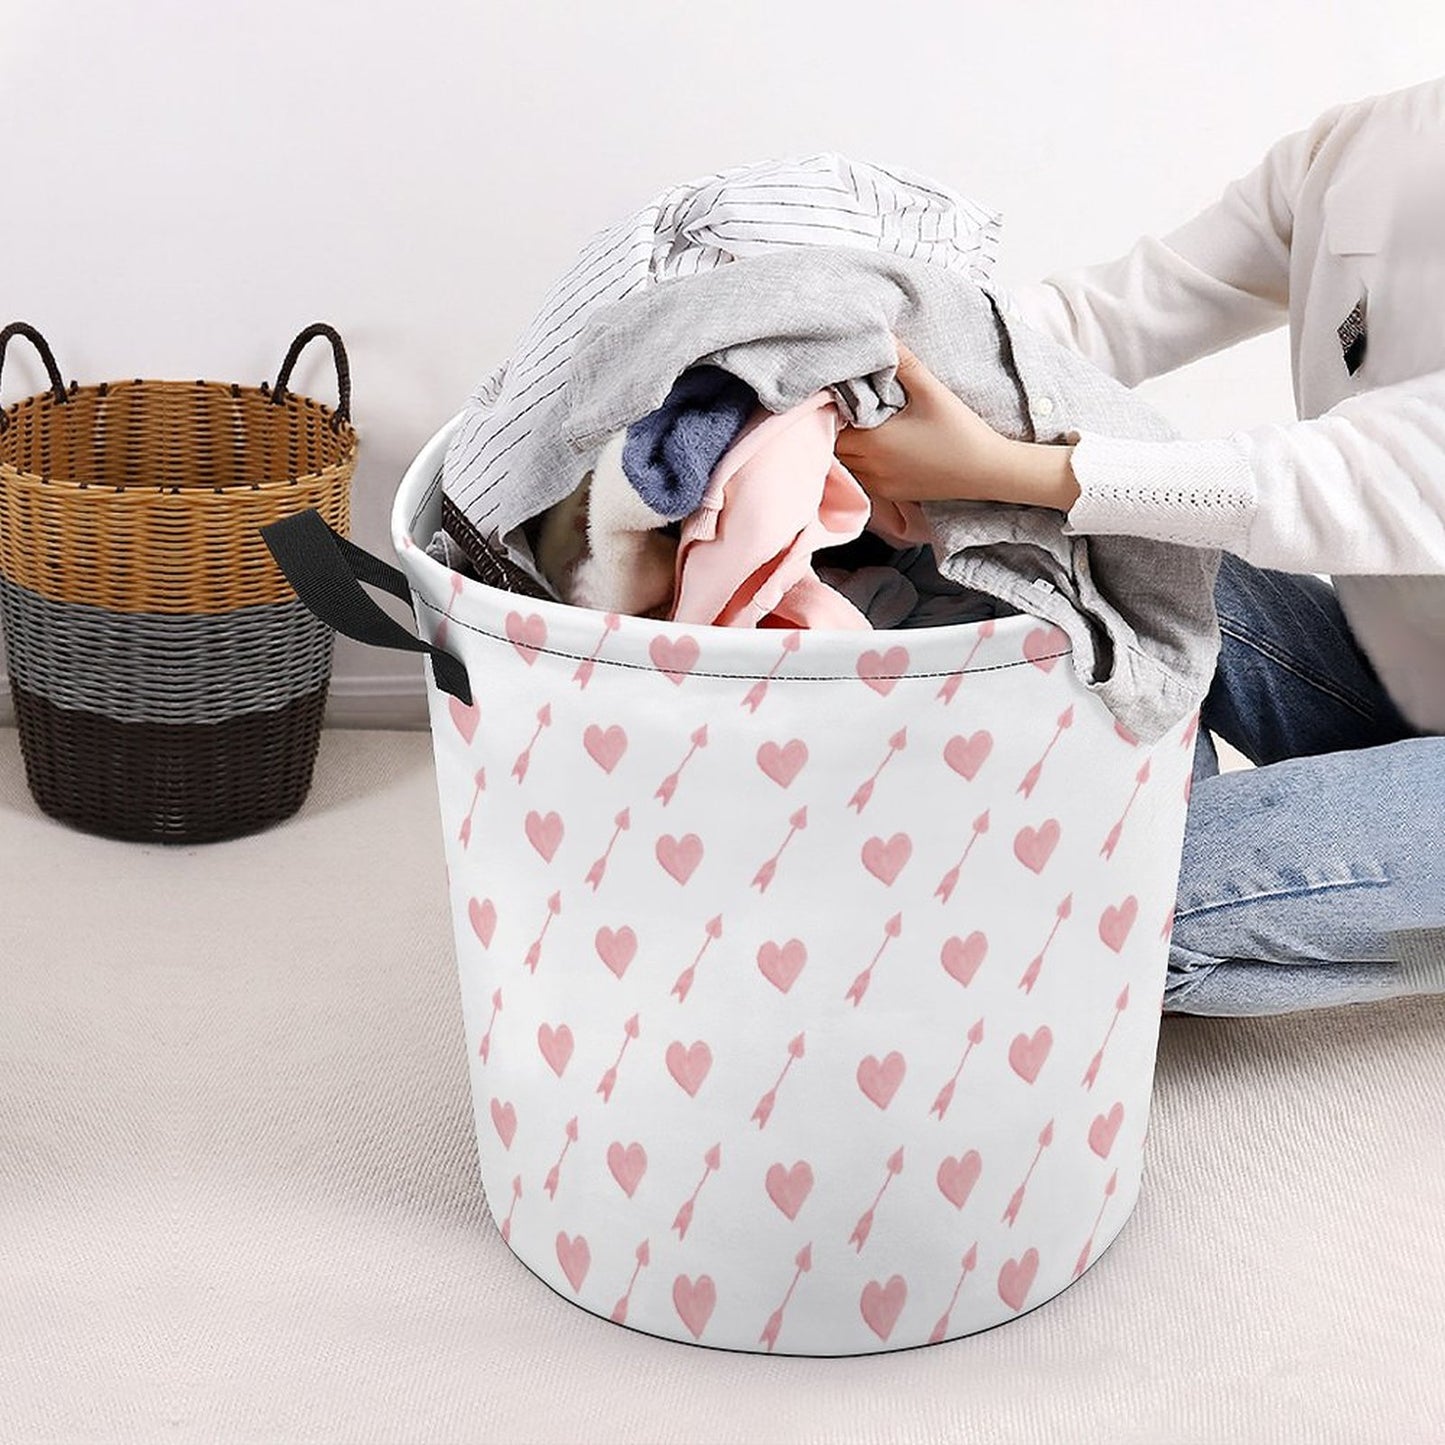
(326, 570)
(343, 368)
(23, 328)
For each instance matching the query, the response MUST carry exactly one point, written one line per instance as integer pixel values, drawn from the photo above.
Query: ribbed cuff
(1196, 493)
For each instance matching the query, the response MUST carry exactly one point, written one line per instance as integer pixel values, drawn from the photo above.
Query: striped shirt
(820, 200)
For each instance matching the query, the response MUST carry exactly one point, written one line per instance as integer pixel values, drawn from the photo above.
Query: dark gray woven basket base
(169, 782)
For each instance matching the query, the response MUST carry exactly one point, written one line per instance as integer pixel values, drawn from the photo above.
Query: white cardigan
(1350, 208)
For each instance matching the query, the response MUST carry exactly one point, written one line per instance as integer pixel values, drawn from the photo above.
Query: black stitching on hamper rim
(454, 621)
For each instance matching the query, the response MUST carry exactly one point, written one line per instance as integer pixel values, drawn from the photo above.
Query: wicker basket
(168, 685)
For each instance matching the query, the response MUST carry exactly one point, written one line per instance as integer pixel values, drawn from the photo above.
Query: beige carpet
(239, 1197)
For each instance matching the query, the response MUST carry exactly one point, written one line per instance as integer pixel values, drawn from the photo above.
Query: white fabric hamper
(811, 980)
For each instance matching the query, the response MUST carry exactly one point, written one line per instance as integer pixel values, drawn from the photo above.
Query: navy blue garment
(670, 453)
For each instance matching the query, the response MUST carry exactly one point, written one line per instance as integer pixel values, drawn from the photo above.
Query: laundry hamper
(811, 980)
(168, 685)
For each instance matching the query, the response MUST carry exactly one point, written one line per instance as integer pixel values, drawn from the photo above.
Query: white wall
(187, 184)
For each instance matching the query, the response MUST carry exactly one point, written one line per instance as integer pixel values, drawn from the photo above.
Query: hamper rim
(745, 646)
(291, 403)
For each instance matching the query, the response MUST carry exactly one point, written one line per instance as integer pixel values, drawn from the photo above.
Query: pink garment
(776, 496)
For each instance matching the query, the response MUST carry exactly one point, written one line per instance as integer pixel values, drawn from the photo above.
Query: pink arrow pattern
(802, 1263)
(554, 1173)
(668, 786)
(583, 674)
(512, 1208)
(620, 824)
(946, 692)
(759, 690)
(949, 881)
(713, 929)
(1036, 964)
(1046, 1137)
(864, 790)
(485, 1047)
(1031, 778)
(608, 1081)
(1092, 1072)
(642, 1259)
(970, 1262)
(544, 720)
(864, 1227)
(765, 874)
(1112, 841)
(1083, 1261)
(859, 986)
(764, 1110)
(945, 1094)
(479, 786)
(534, 950)
(711, 1162)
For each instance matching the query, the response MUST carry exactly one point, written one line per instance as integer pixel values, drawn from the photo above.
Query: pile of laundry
(661, 443)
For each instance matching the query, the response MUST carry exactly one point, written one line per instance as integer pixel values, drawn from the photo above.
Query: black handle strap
(25, 329)
(343, 368)
(326, 570)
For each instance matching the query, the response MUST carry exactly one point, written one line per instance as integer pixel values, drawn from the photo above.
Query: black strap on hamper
(326, 570)
(23, 328)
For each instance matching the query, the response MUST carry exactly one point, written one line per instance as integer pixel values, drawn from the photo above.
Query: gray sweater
(1139, 614)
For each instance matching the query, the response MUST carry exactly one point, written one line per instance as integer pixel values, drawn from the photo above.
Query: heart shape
(465, 716)
(544, 833)
(556, 1046)
(1115, 923)
(881, 1304)
(504, 1120)
(967, 755)
(782, 965)
(675, 657)
(782, 764)
(627, 1165)
(694, 1301)
(1015, 1278)
(575, 1259)
(1104, 1129)
(1033, 847)
(483, 915)
(689, 1066)
(881, 670)
(679, 856)
(956, 1177)
(527, 634)
(962, 956)
(879, 1079)
(789, 1188)
(1042, 646)
(617, 949)
(885, 860)
(1026, 1055)
(605, 746)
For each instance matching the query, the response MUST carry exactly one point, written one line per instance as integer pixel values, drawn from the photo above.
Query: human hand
(936, 447)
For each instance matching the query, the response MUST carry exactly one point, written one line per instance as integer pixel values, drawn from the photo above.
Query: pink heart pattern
(790, 1188)
(643, 1118)
(689, 1065)
(879, 1078)
(783, 764)
(781, 964)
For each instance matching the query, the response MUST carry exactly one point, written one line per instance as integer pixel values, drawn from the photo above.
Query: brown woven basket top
(164, 435)
(146, 496)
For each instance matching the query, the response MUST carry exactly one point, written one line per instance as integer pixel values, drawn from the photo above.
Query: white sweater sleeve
(1357, 490)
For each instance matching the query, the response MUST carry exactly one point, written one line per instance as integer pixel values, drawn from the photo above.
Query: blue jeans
(1298, 874)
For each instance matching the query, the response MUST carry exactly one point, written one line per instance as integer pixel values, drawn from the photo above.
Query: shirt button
(1044, 406)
